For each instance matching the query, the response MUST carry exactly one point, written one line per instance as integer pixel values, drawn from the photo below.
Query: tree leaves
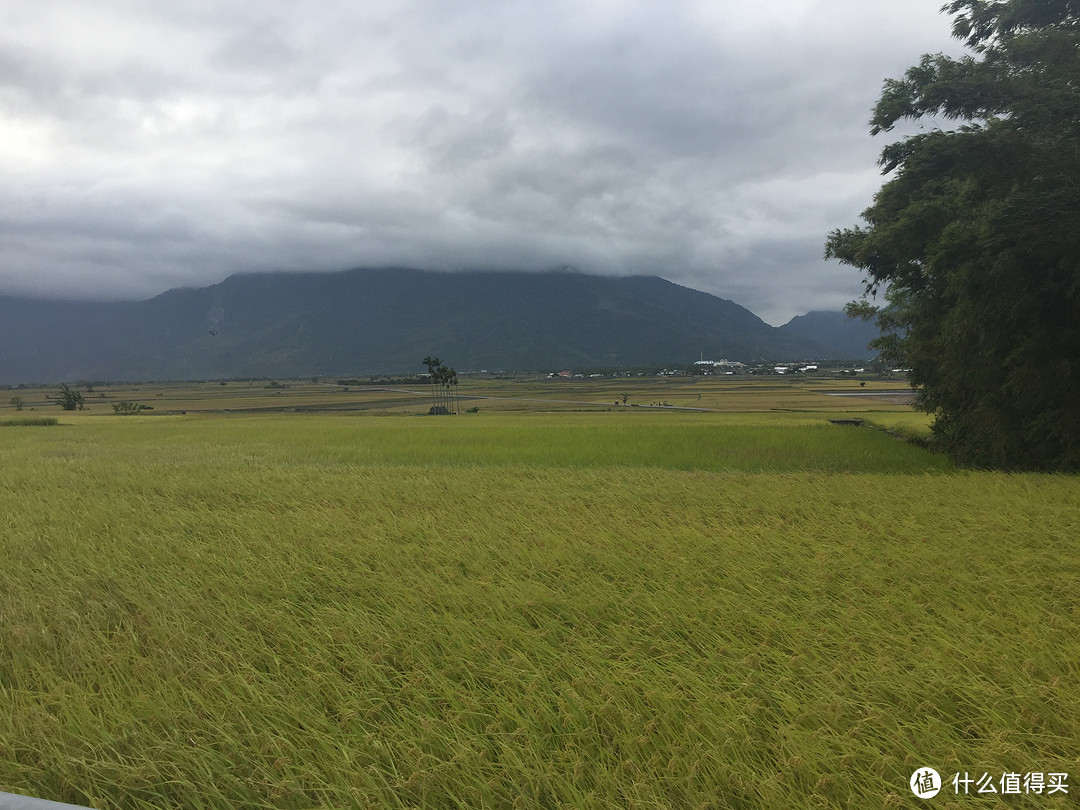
(976, 236)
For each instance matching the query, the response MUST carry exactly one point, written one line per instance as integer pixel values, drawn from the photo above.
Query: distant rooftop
(716, 363)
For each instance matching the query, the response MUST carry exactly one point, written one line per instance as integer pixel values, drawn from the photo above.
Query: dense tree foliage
(975, 238)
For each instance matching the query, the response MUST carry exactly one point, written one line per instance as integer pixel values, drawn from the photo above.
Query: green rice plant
(32, 421)
(727, 442)
(297, 611)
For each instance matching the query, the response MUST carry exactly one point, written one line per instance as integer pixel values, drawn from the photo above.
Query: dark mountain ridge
(848, 336)
(378, 321)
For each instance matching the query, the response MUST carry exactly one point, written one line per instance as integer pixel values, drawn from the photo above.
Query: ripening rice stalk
(298, 611)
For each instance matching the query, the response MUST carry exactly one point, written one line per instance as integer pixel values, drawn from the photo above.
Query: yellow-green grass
(580, 610)
(634, 438)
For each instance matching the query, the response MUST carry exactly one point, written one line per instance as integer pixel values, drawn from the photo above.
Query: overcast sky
(153, 144)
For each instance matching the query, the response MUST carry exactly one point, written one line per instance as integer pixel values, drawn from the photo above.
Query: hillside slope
(373, 321)
(847, 336)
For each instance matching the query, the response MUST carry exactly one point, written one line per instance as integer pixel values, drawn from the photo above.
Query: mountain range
(384, 320)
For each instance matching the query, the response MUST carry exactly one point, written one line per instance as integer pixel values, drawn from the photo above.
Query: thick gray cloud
(150, 144)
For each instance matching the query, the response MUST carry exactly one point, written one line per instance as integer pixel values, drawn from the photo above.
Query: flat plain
(308, 596)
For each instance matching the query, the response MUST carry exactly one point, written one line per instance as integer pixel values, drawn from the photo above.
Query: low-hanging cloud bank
(154, 145)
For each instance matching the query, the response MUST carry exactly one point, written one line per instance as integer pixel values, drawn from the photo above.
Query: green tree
(432, 364)
(17, 401)
(68, 398)
(444, 382)
(448, 378)
(975, 238)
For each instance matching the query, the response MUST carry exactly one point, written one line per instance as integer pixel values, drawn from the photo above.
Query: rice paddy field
(234, 602)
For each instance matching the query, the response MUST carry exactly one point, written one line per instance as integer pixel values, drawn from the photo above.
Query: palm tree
(444, 382)
(446, 378)
(450, 381)
(432, 364)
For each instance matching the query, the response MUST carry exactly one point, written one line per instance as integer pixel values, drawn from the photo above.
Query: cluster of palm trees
(444, 395)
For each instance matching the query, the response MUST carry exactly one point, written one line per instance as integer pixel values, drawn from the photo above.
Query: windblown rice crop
(596, 610)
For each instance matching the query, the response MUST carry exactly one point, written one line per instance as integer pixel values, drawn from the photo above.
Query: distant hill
(848, 336)
(375, 321)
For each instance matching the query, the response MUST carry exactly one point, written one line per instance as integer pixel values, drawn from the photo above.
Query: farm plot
(583, 610)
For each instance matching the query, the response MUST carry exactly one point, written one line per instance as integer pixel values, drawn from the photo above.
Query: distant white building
(719, 363)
